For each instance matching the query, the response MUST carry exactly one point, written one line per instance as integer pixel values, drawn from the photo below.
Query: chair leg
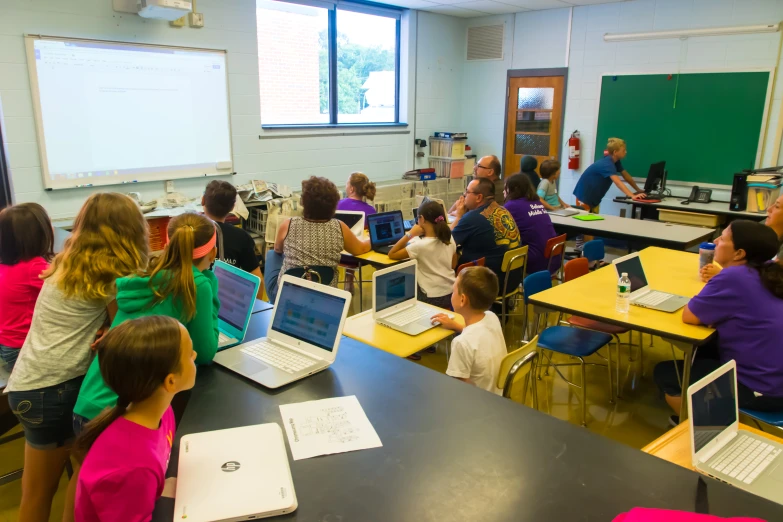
(617, 367)
(641, 357)
(533, 383)
(584, 392)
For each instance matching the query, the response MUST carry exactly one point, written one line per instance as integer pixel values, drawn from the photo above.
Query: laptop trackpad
(248, 366)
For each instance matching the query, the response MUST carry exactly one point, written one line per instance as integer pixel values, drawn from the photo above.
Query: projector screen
(111, 112)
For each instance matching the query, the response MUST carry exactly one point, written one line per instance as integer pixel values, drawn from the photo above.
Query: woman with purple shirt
(744, 303)
(358, 189)
(535, 227)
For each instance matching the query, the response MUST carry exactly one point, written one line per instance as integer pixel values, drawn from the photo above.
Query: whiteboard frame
(162, 175)
(764, 117)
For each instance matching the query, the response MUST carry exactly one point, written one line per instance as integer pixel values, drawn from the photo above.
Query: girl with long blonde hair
(109, 241)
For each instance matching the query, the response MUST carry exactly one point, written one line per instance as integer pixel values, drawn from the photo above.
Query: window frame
(370, 8)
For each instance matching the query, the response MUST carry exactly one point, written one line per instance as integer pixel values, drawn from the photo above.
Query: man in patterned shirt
(485, 229)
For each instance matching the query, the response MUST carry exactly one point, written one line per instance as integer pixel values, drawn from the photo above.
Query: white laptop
(237, 292)
(302, 339)
(354, 219)
(234, 474)
(394, 302)
(641, 293)
(564, 212)
(721, 450)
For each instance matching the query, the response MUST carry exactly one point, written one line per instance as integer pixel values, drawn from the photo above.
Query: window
(324, 63)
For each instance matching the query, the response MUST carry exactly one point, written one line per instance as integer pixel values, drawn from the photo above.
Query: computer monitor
(656, 178)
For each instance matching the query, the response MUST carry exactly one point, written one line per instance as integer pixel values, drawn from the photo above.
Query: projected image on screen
(113, 112)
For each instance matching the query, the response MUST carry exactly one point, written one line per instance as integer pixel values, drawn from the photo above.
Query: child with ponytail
(431, 244)
(177, 284)
(126, 449)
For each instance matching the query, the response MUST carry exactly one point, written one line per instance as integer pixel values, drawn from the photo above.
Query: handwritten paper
(327, 426)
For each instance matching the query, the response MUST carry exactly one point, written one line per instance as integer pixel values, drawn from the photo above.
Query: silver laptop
(394, 302)
(721, 450)
(564, 212)
(354, 219)
(302, 339)
(641, 293)
(235, 474)
(237, 292)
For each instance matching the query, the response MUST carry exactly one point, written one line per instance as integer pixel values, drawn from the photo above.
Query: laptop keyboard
(653, 298)
(223, 338)
(412, 314)
(746, 459)
(278, 357)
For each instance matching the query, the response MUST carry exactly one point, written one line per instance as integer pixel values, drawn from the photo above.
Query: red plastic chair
(478, 262)
(555, 247)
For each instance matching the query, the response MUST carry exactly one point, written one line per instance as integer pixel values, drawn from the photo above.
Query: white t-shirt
(434, 272)
(477, 352)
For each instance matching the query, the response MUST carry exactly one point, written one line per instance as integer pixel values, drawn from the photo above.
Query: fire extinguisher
(573, 151)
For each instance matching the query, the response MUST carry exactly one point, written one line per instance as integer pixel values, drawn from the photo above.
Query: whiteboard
(113, 112)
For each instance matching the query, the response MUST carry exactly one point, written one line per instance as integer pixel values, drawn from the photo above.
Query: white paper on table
(327, 426)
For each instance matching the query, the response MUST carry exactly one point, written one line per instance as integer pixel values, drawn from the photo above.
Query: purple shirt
(747, 318)
(356, 206)
(535, 229)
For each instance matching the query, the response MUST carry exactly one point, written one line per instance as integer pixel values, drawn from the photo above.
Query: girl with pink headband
(178, 284)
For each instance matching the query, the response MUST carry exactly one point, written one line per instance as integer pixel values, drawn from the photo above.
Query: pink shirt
(124, 472)
(19, 288)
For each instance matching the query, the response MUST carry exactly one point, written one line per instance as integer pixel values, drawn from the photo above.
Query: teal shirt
(135, 298)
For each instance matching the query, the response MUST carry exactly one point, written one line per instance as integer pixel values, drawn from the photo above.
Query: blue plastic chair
(771, 418)
(575, 342)
(594, 251)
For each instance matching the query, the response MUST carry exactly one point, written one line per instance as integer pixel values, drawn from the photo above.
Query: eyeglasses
(469, 192)
(479, 166)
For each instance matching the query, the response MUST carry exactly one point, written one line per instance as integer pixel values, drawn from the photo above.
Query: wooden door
(534, 119)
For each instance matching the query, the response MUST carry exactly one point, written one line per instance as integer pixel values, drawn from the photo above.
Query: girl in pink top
(146, 362)
(26, 244)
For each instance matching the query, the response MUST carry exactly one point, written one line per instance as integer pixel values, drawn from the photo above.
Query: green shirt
(135, 298)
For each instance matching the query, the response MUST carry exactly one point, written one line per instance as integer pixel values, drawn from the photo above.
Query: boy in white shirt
(477, 352)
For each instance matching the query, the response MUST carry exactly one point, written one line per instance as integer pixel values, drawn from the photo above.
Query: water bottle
(706, 254)
(623, 294)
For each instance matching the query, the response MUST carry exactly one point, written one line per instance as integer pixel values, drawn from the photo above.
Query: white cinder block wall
(230, 25)
(540, 39)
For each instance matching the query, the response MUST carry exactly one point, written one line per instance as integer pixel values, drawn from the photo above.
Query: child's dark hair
(549, 168)
(219, 198)
(480, 285)
(25, 233)
(135, 358)
(186, 232)
(760, 244)
(519, 186)
(432, 212)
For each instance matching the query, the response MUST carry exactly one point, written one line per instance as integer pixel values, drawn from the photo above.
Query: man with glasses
(489, 167)
(483, 228)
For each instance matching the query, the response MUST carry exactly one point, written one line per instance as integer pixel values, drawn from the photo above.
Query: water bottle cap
(625, 274)
(707, 246)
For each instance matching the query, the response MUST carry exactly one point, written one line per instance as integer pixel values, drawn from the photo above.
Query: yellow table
(675, 445)
(363, 327)
(594, 296)
(372, 258)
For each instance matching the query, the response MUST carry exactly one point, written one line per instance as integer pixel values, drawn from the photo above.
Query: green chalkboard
(706, 128)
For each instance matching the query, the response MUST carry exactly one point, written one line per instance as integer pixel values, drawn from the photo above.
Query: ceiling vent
(485, 42)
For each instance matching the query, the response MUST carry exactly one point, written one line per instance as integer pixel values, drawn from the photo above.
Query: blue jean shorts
(8, 356)
(46, 414)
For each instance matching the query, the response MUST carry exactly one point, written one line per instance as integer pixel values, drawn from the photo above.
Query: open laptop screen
(633, 266)
(395, 287)
(349, 219)
(714, 409)
(385, 228)
(236, 295)
(308, 315)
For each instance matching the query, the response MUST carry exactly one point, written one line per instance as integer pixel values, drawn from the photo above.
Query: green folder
(589, 217)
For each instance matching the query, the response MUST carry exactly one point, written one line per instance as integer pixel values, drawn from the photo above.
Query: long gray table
(715, 208)
(637, 233)
(451, 452)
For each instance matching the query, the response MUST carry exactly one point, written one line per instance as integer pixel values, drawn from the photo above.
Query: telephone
(699, 195)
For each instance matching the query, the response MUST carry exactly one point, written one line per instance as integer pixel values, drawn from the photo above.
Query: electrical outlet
(179, 22)
(169, 187)
(196, 19)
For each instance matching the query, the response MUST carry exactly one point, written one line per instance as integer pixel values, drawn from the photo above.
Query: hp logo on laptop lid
(230, 466)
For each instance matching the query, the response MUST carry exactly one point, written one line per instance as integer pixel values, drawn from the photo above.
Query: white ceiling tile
(541, 4)
(594, 2)
(491, 7)
(453, 10)
(411, 4)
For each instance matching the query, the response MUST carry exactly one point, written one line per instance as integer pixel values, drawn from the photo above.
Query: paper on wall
(327, 426)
